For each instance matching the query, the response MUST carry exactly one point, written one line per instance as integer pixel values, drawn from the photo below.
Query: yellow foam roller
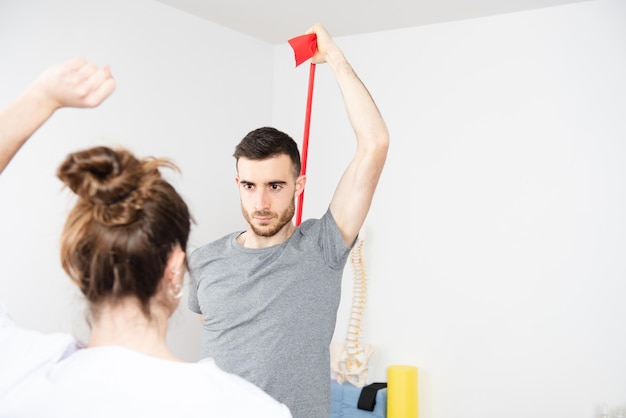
(401, 391)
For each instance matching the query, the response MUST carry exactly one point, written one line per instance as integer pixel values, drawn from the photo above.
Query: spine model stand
(349, 361)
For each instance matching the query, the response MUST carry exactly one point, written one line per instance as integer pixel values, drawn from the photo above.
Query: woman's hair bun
(119, 235)
(101, 175)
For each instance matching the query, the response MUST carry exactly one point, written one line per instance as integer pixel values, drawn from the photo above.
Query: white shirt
(50, 375)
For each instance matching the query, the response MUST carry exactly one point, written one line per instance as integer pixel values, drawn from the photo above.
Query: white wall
(493, 247)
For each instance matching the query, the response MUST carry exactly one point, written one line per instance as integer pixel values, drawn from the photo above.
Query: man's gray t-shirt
(270, 313)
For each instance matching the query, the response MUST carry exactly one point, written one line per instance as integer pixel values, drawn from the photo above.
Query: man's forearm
(363, 113)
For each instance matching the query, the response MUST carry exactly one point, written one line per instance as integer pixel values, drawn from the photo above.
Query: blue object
(345, 398)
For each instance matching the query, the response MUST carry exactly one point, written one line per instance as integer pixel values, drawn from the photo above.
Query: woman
(124, 246)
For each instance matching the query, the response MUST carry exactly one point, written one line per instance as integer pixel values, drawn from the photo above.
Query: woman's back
(43, 375)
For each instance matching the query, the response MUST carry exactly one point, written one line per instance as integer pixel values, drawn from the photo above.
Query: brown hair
(267, 142)
(127, 220)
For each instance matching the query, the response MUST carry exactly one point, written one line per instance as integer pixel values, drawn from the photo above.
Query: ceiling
(276, 21)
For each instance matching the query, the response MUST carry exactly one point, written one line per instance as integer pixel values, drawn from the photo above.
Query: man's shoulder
(312, 224)
(211, 248)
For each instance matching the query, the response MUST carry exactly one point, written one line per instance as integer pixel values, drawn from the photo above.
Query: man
(269, 295)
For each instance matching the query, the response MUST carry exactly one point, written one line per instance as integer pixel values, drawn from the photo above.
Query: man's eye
(275, 187)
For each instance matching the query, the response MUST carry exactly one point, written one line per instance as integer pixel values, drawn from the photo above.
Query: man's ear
(300, 183)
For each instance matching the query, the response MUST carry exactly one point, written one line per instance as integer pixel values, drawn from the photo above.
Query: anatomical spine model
(349, 360)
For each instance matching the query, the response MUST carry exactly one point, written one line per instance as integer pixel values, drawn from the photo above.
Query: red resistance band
(304, 47)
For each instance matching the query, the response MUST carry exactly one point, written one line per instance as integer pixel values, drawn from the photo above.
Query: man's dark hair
(267, 142)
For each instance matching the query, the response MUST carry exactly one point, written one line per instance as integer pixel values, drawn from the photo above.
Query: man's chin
(264, 230)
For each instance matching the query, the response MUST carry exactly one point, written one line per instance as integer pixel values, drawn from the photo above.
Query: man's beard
(274, 226)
